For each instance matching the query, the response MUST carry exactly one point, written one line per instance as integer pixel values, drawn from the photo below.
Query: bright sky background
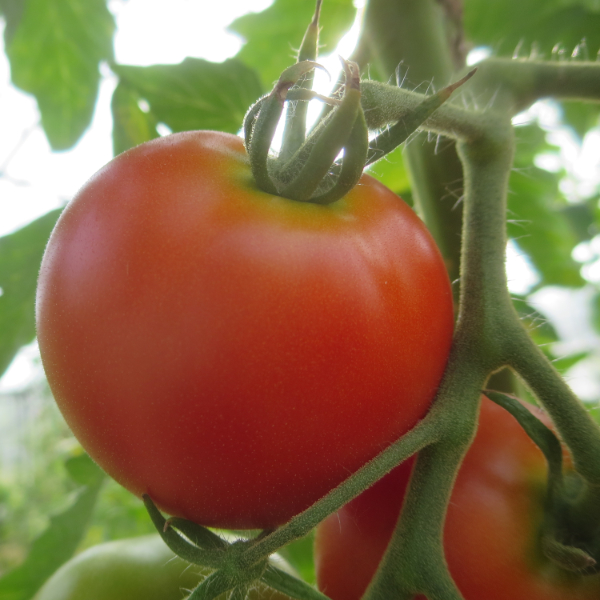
(33, 180)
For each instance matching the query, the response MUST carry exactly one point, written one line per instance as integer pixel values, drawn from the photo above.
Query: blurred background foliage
(554, 218)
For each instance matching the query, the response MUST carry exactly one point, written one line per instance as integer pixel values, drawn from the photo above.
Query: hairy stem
(514, 85)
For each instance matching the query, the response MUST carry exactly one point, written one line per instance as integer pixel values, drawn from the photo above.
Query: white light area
(569, 311)
(520, 273)
(549, 161)
(158, 32)
(478, 54)
(583, 252)
(588, 253)
(584, 379)
(579, 159)
(24, 369)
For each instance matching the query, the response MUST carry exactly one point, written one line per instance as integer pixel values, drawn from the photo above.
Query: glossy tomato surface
(231, 353)
(133, 569)
(491, 531)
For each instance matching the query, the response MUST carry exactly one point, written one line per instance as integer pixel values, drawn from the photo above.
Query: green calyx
(306, 169)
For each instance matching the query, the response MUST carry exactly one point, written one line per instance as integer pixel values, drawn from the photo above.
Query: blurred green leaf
(534, 212)
(273, 35)
(596, 312)
(20, 257)
(564, 363)
(539, 327)
(196, 93)
(54, 54)
(300, 555)
(582, 219)
(83, 470)
(581, 116)
(510, 24)
(391, 171)
(58, 542)
(12, 11)
(131, 125)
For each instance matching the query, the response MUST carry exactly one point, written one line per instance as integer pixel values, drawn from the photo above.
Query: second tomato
(491, 536)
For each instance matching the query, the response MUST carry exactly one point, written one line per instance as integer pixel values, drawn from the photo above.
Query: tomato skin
(490, 535)
(231, 353)
(133, 569)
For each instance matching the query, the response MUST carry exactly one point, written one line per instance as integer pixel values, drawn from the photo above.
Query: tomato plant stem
(411, 39)
(576, 427)
(303, 523)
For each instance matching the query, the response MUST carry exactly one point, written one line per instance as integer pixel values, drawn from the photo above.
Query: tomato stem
(179, 545)
(398, 133)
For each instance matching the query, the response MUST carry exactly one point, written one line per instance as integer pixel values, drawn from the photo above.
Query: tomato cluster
(231, 353)
(491, 536)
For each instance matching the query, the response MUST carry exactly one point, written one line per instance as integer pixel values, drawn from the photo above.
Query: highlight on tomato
(231, 353)
(491, 535)
(140, 568)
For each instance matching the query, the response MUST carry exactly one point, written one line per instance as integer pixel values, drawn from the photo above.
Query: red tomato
(491, 531)
(231, 353)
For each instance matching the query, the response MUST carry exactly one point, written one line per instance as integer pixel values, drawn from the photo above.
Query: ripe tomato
(491, 531)
(231, 353)
(135, 569)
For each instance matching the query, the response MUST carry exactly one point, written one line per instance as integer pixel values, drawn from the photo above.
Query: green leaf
(564, 363)
(596, 312)
(300, 555)
(582, 219)
(196, 93)
(58, 542)
(54, 54)
(391, 171)
(534, 212)
(12, 11)
(131, 125)
(20, 257)
(83, 470)
(581, 116)
(539, 327)
(506, 25)
(273, 35)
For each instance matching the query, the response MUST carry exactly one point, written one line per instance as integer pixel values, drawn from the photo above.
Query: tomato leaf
(511, 24)
(196, 93)
(392, 172)
(539, 327)
(12, 11)
(300, 555)
(534, 212)
(54, 55)
(131, 125)
(564, 363)
(283, 24)
(59, 541)
(20, 257)
(581, 117)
